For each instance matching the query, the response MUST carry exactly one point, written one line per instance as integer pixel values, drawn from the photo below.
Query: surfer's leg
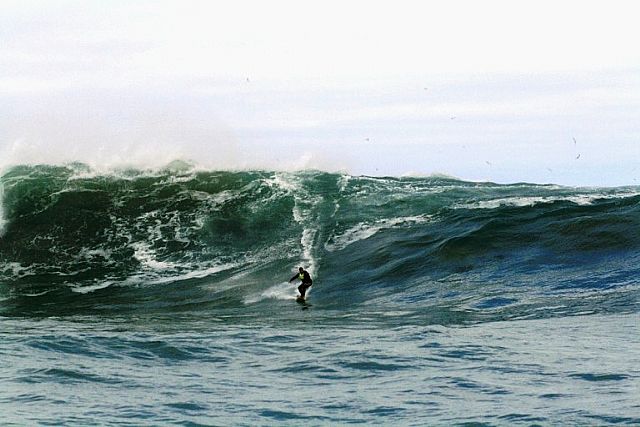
(303, 289)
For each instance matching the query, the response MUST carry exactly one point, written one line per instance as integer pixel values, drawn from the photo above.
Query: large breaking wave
(438, 249)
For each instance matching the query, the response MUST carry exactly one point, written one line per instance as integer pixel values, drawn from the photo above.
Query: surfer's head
(301, 269)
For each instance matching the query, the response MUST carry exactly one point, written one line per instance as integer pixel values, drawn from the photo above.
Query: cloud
(284, 40)
(259, 83)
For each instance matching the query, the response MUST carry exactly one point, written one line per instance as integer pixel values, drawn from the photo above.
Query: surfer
(304, 276)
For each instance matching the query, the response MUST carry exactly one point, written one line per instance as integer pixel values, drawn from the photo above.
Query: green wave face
(183, 239)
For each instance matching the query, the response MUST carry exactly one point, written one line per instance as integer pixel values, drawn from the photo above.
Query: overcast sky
(541, 91)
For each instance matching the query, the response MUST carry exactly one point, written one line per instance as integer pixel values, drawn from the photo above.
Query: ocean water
(160, 297)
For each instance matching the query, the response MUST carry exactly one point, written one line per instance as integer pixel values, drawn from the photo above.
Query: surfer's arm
(293, 278)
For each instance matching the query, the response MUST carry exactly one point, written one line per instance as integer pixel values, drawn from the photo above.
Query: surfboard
(303, 302)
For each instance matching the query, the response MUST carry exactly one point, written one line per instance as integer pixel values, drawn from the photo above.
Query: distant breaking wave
(178, 239)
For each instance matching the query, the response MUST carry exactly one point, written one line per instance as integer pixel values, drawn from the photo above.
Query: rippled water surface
(316, 369)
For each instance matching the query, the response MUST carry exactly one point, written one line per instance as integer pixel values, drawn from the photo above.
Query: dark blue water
(161, 297)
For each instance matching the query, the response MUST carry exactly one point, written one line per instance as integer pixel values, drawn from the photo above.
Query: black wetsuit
(306, 282)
